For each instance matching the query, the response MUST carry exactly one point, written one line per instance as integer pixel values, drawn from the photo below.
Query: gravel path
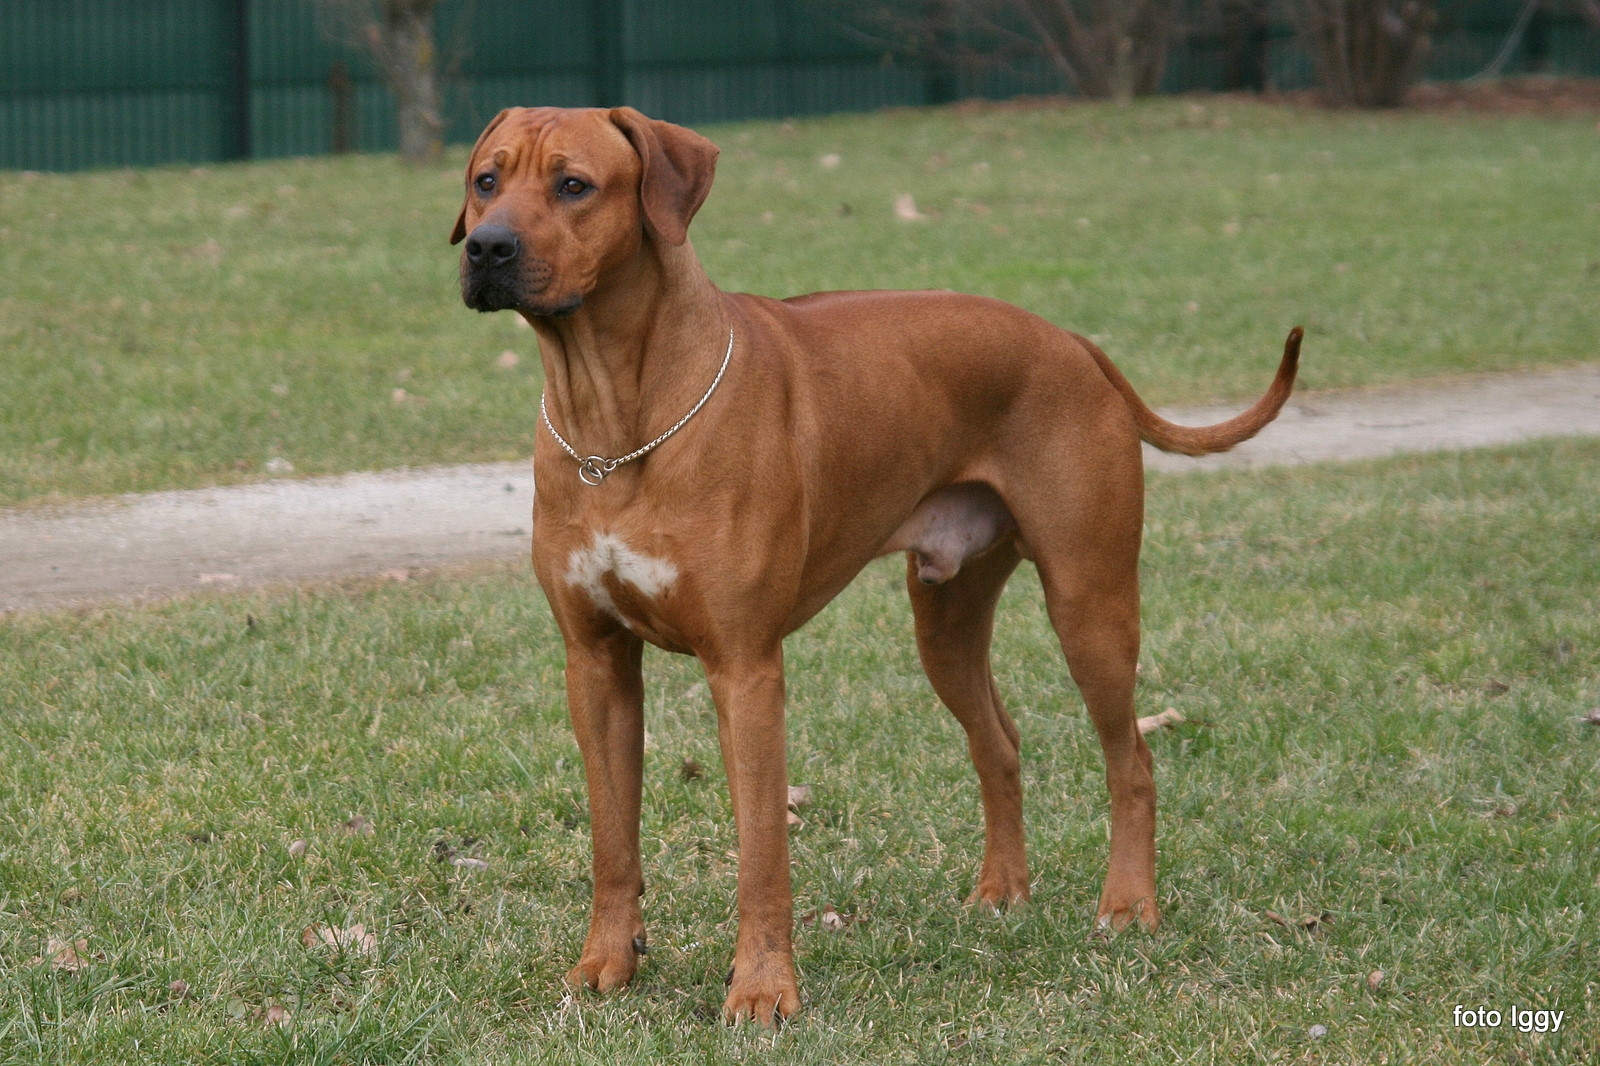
(167, 543)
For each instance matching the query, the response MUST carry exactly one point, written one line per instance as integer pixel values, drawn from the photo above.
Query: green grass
(1382, 666)
(171, 328)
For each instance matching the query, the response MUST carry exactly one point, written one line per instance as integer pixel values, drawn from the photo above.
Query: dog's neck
(605, 388)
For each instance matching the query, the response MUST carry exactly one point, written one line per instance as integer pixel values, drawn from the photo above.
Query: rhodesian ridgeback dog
(715, 467)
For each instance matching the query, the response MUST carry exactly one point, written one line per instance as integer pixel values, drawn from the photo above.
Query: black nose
(492, 245)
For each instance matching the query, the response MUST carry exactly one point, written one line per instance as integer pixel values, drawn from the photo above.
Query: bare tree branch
(1103, 48)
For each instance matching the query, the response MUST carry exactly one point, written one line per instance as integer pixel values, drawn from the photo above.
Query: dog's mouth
(524, 288)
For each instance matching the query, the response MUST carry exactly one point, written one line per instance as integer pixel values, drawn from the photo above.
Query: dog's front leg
(605, 695)
(750, 709)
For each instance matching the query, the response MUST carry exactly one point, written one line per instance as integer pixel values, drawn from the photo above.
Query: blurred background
(97, 83)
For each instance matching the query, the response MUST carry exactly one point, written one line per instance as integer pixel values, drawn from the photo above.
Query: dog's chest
(634, 587)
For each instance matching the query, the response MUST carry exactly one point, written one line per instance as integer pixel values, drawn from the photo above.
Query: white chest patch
(587, 569)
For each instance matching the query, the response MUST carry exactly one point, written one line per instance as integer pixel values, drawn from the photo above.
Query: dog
(713, 468)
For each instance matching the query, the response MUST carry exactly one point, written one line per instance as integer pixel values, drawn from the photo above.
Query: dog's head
(557, 198)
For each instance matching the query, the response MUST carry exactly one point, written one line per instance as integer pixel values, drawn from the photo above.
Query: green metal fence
(87, 83)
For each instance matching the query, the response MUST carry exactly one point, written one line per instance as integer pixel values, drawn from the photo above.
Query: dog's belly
(950, 526)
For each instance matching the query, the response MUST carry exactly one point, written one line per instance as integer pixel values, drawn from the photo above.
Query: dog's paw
(1001, 888)
(1114, 919)
(606, 970)
(769, 997)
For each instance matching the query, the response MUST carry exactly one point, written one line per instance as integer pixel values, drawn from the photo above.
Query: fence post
(236, 89)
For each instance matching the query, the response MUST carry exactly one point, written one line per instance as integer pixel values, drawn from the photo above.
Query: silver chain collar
(594, 468)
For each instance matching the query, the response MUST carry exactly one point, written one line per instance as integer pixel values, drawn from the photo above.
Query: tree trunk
(1366, 52)
(410, 68)
(1109, 49)
(398, 34)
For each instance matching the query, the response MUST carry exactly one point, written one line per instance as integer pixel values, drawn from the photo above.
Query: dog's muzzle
(496, 275)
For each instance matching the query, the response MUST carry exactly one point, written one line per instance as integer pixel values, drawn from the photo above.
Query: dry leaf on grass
(691, 770)
(1165, 720)
(799, 796)
(1311, 923)
(508, 359)
(65, 956)
(1374, 980)
(276, 1014)
(353, 939)
(905, 209)
(359, 825)
(828, 918)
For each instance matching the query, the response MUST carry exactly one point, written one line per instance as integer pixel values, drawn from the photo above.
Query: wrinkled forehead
(548, 140)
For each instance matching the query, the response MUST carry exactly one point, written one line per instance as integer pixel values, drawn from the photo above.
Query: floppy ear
(459, 234)
(678, 167)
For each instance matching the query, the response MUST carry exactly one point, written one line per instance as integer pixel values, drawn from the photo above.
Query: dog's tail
(1203, 440)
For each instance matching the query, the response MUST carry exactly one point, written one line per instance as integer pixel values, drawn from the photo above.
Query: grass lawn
(176, 327)
(1380, 808)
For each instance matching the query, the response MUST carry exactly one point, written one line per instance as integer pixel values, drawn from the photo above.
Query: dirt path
(168, 543)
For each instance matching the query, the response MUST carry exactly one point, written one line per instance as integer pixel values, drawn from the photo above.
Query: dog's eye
(485, 183)
(572, 187)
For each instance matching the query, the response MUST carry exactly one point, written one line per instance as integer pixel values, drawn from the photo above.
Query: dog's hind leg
(954, 623)
(1092, 594)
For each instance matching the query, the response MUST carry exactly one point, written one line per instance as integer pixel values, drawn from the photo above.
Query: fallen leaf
(64, 956)
(508, 359)
(1374, 980)
(276, 1014)
(1165, 720)
(830, 161)
(905, 209)
(794, 819)
(278, 465)
(828, 918)
(297, 848)
(179, 989)
(353, 939)
(691, 770)
(209, 253)
(467, 862)
(359, 825)
(1492, 687)
(399, 396)
(1593, 717)
(1310, 923)
(799, 796)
